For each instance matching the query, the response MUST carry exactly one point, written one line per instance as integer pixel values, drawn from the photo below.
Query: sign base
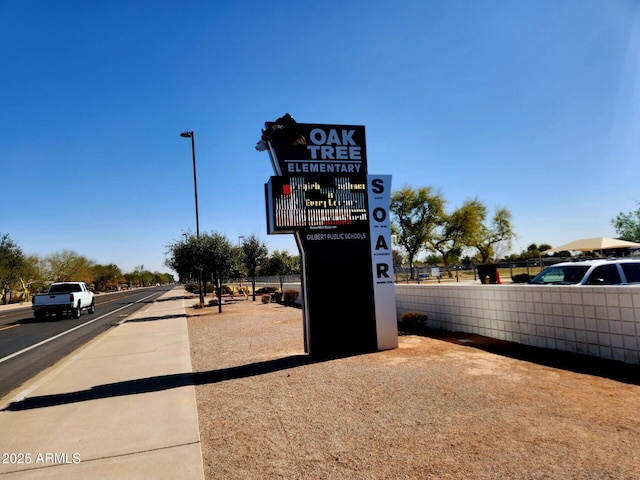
(337, 296)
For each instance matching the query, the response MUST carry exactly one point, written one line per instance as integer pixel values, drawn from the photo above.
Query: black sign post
(321, 194)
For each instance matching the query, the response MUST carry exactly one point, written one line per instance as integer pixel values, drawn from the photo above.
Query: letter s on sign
(377, 185)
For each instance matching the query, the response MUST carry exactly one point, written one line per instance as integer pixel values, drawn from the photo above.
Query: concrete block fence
(598, 321)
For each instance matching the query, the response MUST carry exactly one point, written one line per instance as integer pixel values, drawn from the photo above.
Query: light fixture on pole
(191, 135)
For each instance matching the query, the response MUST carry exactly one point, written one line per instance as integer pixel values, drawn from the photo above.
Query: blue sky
(532, 105)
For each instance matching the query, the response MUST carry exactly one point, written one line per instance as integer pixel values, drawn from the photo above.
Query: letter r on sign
(382, 270)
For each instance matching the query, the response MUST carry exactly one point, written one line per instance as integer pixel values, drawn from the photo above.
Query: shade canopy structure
(594, 244)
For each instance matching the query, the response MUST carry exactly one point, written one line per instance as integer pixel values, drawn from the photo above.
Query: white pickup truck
(63, 297)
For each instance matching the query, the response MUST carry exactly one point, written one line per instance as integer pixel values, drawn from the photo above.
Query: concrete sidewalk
(14, 306)
(122, 406)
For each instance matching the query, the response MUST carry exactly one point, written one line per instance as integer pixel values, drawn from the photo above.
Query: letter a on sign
(381, 243)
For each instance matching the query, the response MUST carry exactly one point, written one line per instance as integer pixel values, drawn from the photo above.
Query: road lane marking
(24, 350)
(8, 327)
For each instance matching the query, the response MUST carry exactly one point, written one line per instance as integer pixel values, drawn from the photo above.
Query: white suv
(622, 271)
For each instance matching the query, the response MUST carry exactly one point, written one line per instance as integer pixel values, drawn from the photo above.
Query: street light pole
(191, 135)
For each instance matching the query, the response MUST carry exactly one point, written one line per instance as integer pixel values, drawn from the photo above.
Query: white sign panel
(379, 196)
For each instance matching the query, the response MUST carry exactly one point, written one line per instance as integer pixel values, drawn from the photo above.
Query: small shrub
(266, 298)
(263, 290)
(213, 302)
(195, 288)
(290, 296)
(277, 296)
(413, 320)
(196, 305)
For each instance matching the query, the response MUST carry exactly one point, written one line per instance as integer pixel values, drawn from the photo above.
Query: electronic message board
(316, 203)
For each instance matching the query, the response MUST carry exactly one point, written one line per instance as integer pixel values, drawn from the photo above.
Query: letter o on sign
(379, 214)
(318, 136)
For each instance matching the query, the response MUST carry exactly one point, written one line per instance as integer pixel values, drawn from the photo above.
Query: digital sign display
(316, 202)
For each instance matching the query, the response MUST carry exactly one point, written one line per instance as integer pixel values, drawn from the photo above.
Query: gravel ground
(435, 408)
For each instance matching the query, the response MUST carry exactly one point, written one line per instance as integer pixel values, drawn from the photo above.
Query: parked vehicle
(622, 271)
(64, 298)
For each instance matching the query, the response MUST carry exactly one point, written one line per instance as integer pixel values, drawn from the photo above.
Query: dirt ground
(441, 406)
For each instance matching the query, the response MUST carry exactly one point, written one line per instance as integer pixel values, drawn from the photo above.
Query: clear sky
(533, 105)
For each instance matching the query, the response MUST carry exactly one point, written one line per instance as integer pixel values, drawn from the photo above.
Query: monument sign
(339, 215)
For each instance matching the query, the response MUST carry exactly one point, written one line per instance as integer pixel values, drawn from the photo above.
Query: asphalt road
(28, 346)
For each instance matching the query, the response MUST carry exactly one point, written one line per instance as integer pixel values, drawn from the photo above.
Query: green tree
(254, 254)
(457, 231)
(106, 276)
(133, 279)
(146, 277)
(500, 230)
(12, 263)
(31, 276)
(186, 258)
(415, 215)
(142, 277)
(219, 260)
(204, 256)
(181, 257)
(280, 263)
(627, 225)
(433, 259)
(398, 258)
(68, 266)
(543, 247)
(162, 278)
(535, 251)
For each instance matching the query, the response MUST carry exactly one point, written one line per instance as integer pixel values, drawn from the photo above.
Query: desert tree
(31, 275)
(456, 231)
(254, 254)
(498, 231)
(415, 215)
(68, 266)
(627, 225)
(12, 263)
